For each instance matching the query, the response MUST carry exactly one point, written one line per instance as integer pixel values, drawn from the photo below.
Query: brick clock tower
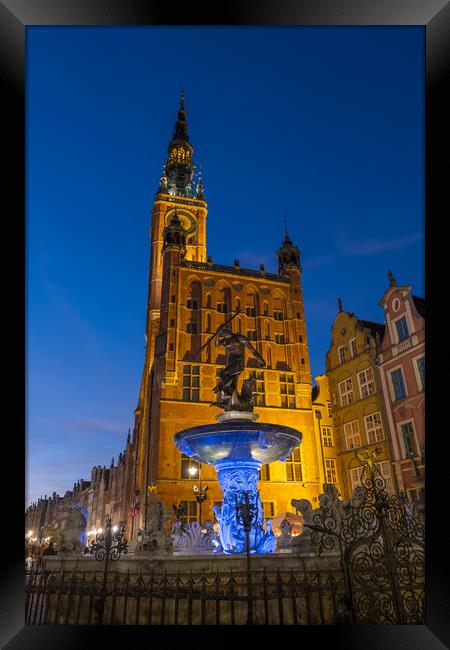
(188, 298)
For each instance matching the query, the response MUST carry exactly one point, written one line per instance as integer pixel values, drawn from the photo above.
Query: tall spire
(178, 171)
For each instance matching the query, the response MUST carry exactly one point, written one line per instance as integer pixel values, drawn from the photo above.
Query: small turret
(288, 256)
(174, 235)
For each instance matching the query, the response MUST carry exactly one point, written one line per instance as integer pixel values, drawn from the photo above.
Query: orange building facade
(189, 297)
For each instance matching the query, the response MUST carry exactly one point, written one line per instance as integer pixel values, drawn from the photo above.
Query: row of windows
(373, 427)
(279, 337)
(190, 510)
(191, 386)
(367, 387)
(190, 468)
(398, 381)
(383, 468)
(224, 308)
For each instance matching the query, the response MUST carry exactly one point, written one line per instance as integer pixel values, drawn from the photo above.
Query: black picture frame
(15, 17)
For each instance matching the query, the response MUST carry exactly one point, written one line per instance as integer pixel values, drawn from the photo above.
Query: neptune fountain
(237, 446)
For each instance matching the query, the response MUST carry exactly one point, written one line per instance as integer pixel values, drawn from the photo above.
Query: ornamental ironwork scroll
(381, 545)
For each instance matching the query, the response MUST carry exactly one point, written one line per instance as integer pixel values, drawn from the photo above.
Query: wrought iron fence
(313, 595)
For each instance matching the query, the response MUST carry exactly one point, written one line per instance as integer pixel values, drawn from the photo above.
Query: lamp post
(199, 491)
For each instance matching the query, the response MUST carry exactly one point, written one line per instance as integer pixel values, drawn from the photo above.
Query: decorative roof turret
(391, 278)
(288, 255)
(174, 235)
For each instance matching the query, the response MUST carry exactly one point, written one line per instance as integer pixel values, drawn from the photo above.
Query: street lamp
(199, 491)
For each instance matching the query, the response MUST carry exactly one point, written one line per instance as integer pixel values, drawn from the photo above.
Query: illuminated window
(188, 466)
(330, 467)
(191, 383)
(355, 476)
(327, 437)
(269, 509)
(341, 354)
(189, 509)
(260, 399)
(374, 427)
(264, 473)
(366, 382)
(352, 435)
(346, 391)
(294, 466)
(287, 391)
(385, 472)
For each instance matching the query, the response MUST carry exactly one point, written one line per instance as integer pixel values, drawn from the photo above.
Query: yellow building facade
(189, 297)
(327, 451)
(359, 418)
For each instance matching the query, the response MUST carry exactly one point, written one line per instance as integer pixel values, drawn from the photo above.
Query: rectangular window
(385, 472)
(191, 328)
(421, 368)
(189, 467)
(287, 391)
(330, 467)
(346, 392)
(279, 338)
(341, 354)
(251, 335)
(222, 307)
(352, 344)
(260, 398)
(192, 304)
(250, 311)
(355, 476)
(374, 427)
(398, 384)
(402, 329)
(190, 511)
(366, 382)
(264, 473)
(278, 315)
(330, 410)
(327, 437)
(300, 338)
(268, 508)
(408, 440)
(191, 383)
(294, 466)
(352, 435)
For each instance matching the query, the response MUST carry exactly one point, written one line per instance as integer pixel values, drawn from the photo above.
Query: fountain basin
(238, 440)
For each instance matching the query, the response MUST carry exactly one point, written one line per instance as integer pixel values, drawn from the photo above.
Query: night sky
(323, 125)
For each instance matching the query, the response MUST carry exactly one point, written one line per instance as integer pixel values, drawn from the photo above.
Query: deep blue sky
(324, 125)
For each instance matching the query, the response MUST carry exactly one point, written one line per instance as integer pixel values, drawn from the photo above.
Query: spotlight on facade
(192, 471)
(30, 534)
(115, 529)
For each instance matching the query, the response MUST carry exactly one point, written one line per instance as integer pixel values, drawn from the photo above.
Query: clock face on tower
(188, 220)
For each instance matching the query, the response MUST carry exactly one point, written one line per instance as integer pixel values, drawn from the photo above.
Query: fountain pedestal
(237, 447)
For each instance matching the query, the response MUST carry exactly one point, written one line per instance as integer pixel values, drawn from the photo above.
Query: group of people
(34, 555)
